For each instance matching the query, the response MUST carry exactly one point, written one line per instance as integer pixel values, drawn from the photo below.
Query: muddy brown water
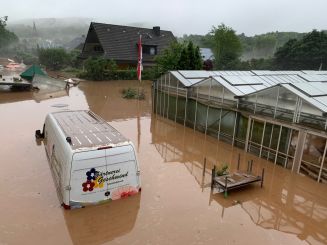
(176, 205)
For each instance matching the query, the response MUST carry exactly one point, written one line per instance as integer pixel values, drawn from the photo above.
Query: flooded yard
(176, 205)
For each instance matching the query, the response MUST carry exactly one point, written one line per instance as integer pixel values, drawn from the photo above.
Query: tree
(198, 63)
(310, 52)
(184, 62)
(226, 47)
(180, 56)
(169, 58)
(6, 37)
(191, 56)
(54, 58)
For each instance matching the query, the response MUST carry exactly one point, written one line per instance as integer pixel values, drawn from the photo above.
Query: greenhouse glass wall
(278, 115)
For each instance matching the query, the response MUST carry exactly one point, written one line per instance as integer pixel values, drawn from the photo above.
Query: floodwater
(176, 205)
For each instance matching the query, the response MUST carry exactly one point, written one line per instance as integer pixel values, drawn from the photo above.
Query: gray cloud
(183, 16)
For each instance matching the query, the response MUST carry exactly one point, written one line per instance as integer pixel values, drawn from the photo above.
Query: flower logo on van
(97, 179)
(88, 185)
(93, 180)
(92, 174)
(98, 182)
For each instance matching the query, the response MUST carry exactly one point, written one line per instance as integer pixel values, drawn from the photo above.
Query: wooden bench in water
(235, 180)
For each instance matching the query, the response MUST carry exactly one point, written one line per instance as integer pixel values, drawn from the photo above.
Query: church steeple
(34, 30)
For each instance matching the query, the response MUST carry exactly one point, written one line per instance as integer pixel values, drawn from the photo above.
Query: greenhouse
(278, 115)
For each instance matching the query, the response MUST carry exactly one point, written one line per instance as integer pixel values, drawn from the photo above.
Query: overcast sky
(182, 16)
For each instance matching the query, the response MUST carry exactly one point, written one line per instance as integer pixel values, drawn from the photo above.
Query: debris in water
(235, 202)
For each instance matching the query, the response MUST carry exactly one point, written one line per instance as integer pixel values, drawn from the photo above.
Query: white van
(91, 161)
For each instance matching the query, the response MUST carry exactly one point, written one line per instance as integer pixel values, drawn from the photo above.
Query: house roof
(120, 42)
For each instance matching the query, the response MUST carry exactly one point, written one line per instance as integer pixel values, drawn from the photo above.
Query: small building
(119, 43)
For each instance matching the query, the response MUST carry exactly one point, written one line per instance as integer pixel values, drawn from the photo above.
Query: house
(119, 43)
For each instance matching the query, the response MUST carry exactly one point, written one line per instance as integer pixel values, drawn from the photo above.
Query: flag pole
(139, 77)
(139, 60)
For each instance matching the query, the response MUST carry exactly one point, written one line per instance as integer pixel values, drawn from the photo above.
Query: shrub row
(130, 74)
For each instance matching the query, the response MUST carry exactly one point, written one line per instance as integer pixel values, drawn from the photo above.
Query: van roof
(86, 129)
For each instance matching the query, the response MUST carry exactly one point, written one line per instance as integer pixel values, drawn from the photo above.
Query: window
(149, 49)
(98, 48)
(152, 51)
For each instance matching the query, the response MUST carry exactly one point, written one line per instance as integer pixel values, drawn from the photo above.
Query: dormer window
(149, 49)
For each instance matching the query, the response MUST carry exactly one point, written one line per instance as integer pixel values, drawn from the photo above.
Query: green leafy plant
(131, 93)
(223, 170)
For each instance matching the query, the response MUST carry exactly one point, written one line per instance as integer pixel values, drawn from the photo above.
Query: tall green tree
(6, 37)
(198, 62)
(227, 47)
(184, 61)
(191, 55)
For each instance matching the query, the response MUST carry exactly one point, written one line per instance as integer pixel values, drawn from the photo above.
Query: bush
(100, 69)
(131, 93)
(54, 58)
(223, 170)
(27, 58)
(74, 59)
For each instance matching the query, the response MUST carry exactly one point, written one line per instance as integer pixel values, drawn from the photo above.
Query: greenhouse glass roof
(189, 78)
(310, 87)
(267, 72)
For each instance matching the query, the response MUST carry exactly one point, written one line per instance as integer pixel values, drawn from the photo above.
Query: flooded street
(176, 205)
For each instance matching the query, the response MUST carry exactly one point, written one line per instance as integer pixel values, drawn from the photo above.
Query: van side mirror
(38, 134)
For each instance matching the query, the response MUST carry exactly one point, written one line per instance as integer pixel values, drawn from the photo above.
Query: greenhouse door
(313, 156)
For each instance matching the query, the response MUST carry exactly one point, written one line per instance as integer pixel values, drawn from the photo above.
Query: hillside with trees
(256, 47)
(310, 52)
(58, 30)
(270, 51)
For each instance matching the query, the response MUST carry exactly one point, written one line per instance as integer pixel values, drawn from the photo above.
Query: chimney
(156, 30)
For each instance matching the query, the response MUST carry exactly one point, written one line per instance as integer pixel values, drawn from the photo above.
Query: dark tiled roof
(120, 42)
